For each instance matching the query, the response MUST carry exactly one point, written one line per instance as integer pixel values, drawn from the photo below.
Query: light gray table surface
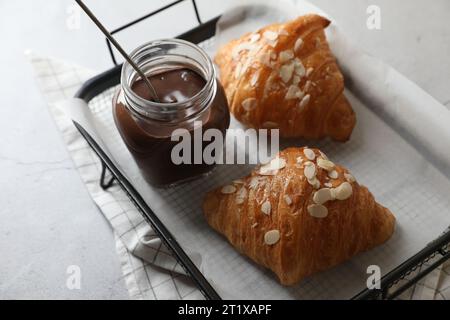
(47, 219)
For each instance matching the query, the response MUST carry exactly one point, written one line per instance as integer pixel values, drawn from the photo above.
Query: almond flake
(254, 225)
(323, 155)
(273, 166)
(237, 72)
(318, 211)
(328, 185)
(309, 71)
(265, 59)
(266, 208)
(288, 200)
(286, 56)
(273, 56)
(254, 79)
(283, 32)
(242, 194)
(245, 46)
(249, 104)
(239, 181)
(270, 35)
(309, 154)
(299, 160)
(254, 182)
(322, 196)
(272, 237)
(298, 44)
(299, 68)
(286, 72)
(296, 80)
(349, 177)
(305, 101)
(310, 172)
(255, 37)
(314, 182)
(228, 189)
(344, 191)
(333, 174)
(307, 86)
(325, 164)
(293, 92)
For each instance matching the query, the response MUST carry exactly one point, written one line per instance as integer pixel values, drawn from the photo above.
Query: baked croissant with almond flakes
(285, 77)
(298, 215)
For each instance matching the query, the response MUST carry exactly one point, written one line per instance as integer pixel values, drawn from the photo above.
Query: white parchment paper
(399, 149)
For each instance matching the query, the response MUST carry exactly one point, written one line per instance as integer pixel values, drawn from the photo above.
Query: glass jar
(191, 98)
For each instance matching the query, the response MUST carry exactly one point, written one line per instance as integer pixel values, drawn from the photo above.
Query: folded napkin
(149, 270)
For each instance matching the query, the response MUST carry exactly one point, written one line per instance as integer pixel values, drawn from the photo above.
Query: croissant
(285, 76)
(298, 215)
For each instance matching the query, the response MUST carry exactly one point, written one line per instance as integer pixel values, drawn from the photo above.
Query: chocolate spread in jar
(149, 140)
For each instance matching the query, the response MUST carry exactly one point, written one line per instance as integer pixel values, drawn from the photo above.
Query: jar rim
(126, 67)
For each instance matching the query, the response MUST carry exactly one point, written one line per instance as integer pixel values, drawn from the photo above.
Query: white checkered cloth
(149, 270)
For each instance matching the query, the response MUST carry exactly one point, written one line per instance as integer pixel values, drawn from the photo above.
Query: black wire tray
(392, 284)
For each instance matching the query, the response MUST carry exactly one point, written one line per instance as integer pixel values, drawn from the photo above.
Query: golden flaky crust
(256, 69)
(307, 243)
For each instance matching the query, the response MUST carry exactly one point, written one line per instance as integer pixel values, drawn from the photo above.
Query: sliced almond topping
(245, 46)
(254, 182)
(315, 183)
(242, 194)
(237, 72)
(254, 79)
(299, 160)
(286, 72)
(286, 56)
(266, 208)
(310, 172)
(305, 101)
(309, 71)
(265, 59)
(270, 35)
(344, 191)
(333, 174)
(272, 167)
(323, 155)
(318, 211)
(228, 189)
(309, 154)
(299, 68)
(349, 177)
(249, 104)
(272, 237)
(238, 181)
(298, 44)
(307, 86)
(325, 164)
(288, 200)
(283, 32)
(293, 92)
(322, 196)
(254, 225)
(273, 56)
(328, 185)
(296, 80)
(255, 37)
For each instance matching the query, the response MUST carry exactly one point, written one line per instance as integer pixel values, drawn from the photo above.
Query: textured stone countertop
(47, 219)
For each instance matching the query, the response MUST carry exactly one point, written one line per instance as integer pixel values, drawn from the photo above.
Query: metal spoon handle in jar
(153, 92)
